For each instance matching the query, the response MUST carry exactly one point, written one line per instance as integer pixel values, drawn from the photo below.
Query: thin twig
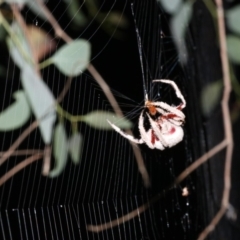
(24, 152)
(58, 30)
(123, 219)
(19, 140)
(19, 166)
(200, 161)
(227, 123)
(47, 160)
(65, 90)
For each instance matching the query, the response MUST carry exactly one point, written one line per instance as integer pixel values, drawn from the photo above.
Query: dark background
(35, 207)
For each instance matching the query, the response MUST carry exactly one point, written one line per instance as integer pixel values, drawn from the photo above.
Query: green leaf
(16, 114)
(39, 96)
(233, 19)
(75, 147)
(60, 150)
(98, 119)
(117, 18)
(210, 96)
(41, 100)
(178, 25)
(170, 6)
(233, 48)
(3, 33)
(16, 1)
(35, 8)
(73, 58)
(21, 54)
(74, 11)
(32, 4)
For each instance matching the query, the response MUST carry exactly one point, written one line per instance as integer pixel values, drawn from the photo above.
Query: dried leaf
(98, 119)
(60, 150)
(42, 43)
(16, 114)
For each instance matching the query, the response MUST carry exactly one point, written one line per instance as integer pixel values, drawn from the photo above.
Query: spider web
(106, 184)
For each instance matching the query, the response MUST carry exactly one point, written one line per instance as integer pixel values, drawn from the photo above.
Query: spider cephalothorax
(165, 122)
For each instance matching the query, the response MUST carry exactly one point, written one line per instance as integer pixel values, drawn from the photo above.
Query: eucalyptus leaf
(98, 119)
(16, 1)
(41, 100)
(74, 11)
(233, 48)
(233, 19)
(16, 114)
(36, 8)
(3, 33)
(72, 58)
(210, 96)
(178, 25)
(20, 54)
(60, 150)
(170, 6)
(75, 147)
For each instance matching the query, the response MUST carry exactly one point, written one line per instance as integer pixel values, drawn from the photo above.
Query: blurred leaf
(3, 33)
(16, 54)
(210, 96)
(178, 25)
(32, 4)
(170, 6)
(60, 150)
(75, 147)
(3, 71)
(41, 100)
(73, 58)
(40, 97)
(35, 8)
(21, 2)
(233, 19)
(117, 19)
(233, 48)
(98, 119)
(41, 42)
(16, 114)
(74, 11)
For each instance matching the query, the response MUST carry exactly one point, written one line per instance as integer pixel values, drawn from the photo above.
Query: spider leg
(157, 131)
(146, 136)
(129, 137)
(172, 114)
(177, 91)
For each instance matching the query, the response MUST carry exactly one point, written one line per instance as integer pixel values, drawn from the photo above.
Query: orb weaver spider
(165, 122)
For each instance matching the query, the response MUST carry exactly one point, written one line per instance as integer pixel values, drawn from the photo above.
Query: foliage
(26, 46)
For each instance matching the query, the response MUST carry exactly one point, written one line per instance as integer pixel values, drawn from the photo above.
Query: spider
(165, 122)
